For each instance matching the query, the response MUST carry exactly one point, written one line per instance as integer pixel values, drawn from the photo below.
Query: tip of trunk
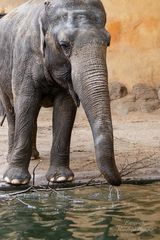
(114, 180)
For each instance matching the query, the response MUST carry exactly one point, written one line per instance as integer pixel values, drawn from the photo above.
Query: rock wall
(134, 54)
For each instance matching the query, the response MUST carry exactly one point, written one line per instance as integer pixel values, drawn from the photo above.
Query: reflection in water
(83, 214)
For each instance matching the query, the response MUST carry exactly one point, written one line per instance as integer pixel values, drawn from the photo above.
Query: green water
(83, 214)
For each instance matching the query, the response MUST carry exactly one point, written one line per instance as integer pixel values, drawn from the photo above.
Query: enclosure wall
(134, 53)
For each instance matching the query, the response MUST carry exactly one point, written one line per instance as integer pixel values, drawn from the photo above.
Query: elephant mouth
(73, 94)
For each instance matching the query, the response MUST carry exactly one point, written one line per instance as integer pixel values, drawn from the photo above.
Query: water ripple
(84, 214)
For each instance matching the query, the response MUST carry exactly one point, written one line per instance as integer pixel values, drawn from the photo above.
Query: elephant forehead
(73, 3)
(70, 15)
(76, 16)
(57, 8)
(70, 12)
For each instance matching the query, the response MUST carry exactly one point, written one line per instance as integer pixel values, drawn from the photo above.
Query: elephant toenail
(61, 179)
(52, 179)
(15, 182)
(6, 179)
(70, 178)
(25, 182)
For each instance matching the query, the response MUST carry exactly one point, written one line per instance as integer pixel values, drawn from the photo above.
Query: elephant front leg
(25, 113)
(63, 119)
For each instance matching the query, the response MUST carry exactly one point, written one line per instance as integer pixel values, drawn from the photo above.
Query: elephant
(1, 106)
(54, 53)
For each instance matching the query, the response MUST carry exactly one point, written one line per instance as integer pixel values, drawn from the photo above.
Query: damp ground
(136, 141)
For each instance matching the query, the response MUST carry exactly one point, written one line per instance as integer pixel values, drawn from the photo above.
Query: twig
(3, 119)
(26, 204)
(20, 192)
(48, 189)
(128, 168)
(14, 194)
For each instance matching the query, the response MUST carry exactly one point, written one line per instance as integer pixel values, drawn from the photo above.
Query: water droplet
(114, 191)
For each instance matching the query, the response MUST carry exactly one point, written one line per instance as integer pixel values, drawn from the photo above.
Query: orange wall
(7, 5)
(134, 54)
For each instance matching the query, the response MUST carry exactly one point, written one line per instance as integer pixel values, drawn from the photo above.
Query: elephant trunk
(90, 82)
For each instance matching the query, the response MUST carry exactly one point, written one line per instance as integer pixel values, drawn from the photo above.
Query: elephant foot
(17, 176)
(61, 174)
(35, 154)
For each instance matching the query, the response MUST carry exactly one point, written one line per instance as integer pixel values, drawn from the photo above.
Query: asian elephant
(54, 52)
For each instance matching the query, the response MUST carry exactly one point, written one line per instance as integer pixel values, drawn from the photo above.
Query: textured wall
(134, 54)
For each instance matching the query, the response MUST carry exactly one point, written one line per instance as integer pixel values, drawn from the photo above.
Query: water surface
(85, 214)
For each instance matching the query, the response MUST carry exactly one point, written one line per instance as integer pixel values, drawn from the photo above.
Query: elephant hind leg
(63, 119)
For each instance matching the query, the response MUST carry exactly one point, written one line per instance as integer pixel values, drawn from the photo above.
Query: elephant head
(74, 42)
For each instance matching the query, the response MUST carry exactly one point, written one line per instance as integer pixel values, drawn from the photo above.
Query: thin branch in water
(20, 192)
(3, 119)
(13, 195)
(26, 204)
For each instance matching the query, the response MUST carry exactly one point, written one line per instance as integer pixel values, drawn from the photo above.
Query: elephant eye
(66, 48)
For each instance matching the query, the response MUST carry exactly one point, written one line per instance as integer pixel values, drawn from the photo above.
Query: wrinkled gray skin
(2, 112)
(54, 53)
